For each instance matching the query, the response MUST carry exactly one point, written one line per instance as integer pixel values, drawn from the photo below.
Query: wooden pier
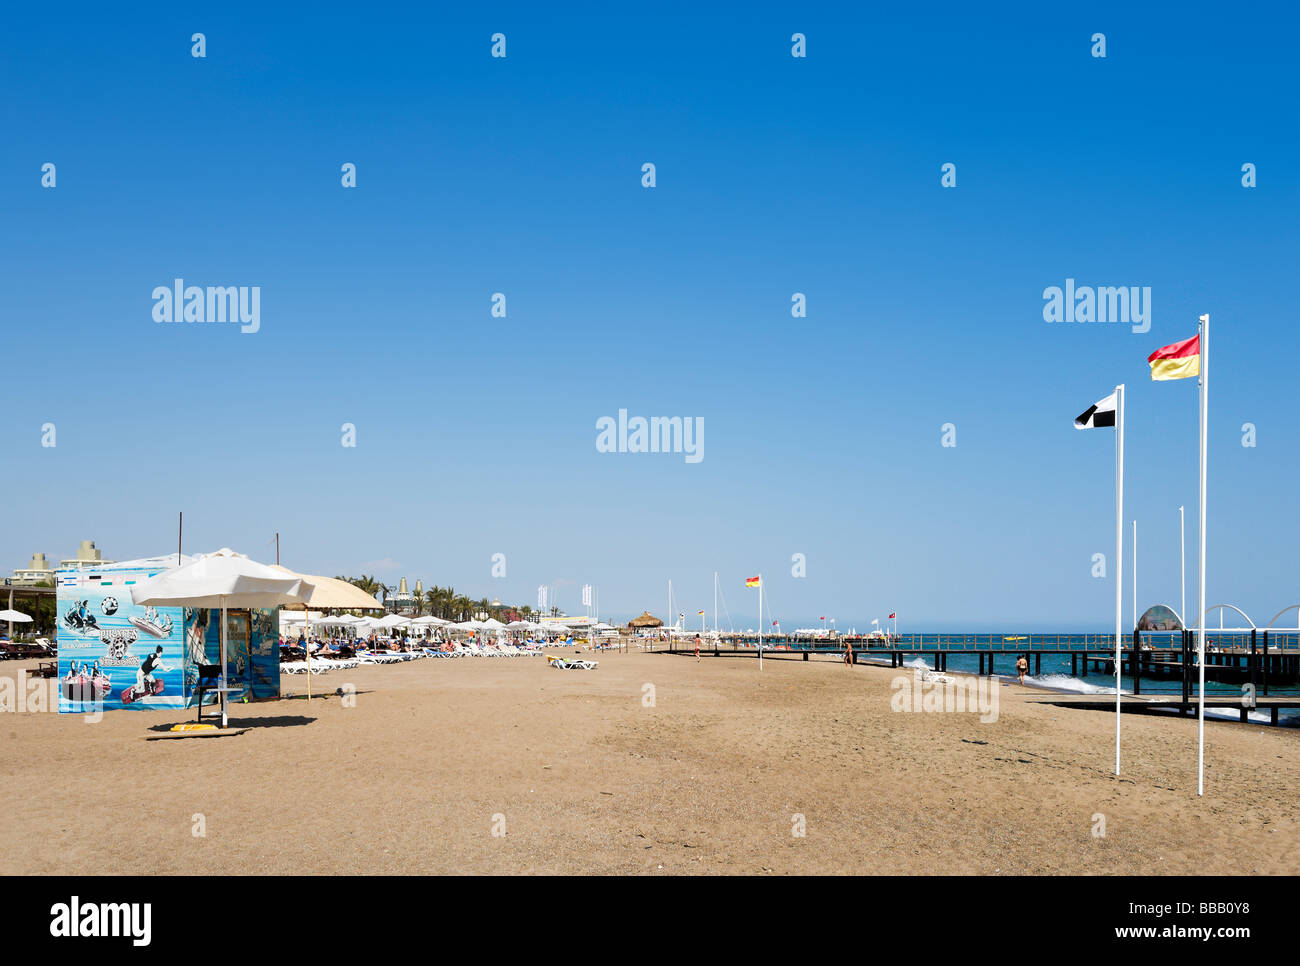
(1256, 662)
(1135, 703)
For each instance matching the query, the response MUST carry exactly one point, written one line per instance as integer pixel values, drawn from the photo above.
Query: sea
(1055, 675)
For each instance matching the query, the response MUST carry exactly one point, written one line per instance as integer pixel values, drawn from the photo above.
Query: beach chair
(936, 677)
(567, 665)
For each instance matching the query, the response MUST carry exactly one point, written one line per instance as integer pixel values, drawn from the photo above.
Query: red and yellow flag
(1178, 361)
(752, 581)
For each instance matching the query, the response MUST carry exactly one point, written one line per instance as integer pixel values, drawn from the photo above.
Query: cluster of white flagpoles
(1203, 382)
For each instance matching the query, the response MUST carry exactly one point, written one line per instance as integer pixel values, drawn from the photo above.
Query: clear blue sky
(775, 175)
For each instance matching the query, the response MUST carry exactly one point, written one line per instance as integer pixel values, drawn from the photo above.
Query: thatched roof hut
(645, 620)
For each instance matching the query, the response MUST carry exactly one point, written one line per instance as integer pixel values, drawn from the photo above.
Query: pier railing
(1009, 643)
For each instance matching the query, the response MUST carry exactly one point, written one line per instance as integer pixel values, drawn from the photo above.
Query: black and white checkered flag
(1100, 413)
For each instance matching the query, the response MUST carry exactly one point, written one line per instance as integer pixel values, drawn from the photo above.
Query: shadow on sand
(279, 721)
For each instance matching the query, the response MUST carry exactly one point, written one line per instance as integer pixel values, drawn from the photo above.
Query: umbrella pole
(224, 683)
(307, 641)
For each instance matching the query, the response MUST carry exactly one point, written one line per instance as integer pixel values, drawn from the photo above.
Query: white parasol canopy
(222, 579)
(393, 620)
(14, 615)
(342, 620)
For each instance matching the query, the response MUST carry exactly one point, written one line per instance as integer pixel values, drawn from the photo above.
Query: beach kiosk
(134, 656)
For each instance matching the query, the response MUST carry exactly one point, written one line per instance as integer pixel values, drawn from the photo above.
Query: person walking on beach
(1022, 667)
(697, 648)
(848, 652)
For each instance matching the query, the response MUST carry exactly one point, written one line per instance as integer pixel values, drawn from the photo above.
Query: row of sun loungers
(324, 664)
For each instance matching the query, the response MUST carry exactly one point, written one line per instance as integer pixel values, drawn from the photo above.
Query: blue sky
(476, 435)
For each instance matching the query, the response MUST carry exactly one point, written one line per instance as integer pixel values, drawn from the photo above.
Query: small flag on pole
(1100, 413)
(753, 581)
(1178, 361)
(701, 613)
(892, 616)
(775, 623)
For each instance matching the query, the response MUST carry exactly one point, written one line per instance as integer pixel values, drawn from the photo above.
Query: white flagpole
(1200, 621)
(760, 622)
(1119, 553)
(1182, 562)
(1135, 574)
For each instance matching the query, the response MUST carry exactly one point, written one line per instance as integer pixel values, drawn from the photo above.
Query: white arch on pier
(1174, 610)
(1295, 607)
(1210, 610)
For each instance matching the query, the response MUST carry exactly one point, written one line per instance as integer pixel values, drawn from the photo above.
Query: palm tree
(463, 607)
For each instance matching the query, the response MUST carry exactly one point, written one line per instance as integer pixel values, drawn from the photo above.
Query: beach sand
(582, 777)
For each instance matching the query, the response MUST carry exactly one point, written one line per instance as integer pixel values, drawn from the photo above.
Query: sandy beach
(581, 776)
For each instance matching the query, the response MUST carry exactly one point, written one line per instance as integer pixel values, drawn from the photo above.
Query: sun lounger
(566, 665)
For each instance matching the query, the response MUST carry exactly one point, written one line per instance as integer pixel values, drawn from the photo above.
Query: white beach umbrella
(492, 624)
(429, 622)
(342, 620)
(221, 580)
(393, 620)
(13, 616)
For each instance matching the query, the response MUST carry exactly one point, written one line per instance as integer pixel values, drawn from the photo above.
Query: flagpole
(760, 622)
(1182, 563)
(1200, 620)
(1119, 554)
(1135, 574)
